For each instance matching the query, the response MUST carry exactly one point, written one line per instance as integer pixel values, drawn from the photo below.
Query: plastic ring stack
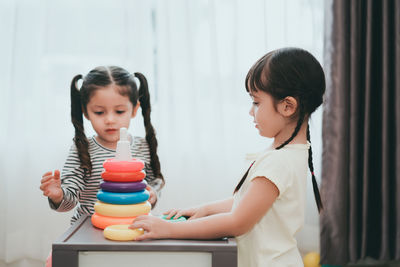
(122, 197)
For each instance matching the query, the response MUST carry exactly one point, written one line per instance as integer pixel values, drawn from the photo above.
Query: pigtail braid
(296, 130)
(80, 139)
(314, 181)
(144, 98)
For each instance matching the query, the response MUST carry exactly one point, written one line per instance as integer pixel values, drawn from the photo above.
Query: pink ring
(133, 165)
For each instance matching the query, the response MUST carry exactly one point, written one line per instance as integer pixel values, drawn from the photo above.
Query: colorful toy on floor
(311, 259)
(122, 196)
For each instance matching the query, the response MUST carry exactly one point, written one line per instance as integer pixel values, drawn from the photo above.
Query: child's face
(269, 121)
(108, 111)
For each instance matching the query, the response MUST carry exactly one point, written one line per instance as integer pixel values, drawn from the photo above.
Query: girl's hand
(153, 196)
(192, 213)
(51, 186)
(154, 227)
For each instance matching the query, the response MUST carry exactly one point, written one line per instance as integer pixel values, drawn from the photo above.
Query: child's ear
(288, 106)
(135, 109)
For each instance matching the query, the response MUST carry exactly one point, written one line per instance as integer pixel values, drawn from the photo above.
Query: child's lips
(111, 130)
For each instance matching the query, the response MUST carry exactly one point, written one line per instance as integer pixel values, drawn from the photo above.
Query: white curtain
(195, 55)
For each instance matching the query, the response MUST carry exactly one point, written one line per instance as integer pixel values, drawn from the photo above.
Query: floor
(374, 263)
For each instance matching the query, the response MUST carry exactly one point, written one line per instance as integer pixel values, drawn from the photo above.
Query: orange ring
(102, 222)
(133, 165)
(123, 176)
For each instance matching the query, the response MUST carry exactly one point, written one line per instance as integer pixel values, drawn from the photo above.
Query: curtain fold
(361, 125)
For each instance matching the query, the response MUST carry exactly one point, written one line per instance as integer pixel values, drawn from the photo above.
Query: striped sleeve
(72, 182)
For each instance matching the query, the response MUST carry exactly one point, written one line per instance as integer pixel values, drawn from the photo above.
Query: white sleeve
(274, 167)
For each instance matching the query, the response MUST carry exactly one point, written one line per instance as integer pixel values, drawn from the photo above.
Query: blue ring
(123, 198)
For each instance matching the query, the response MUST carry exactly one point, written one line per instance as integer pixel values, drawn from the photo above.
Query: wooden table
(84, 245)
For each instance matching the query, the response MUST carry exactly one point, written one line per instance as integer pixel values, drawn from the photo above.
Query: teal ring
(123, 198)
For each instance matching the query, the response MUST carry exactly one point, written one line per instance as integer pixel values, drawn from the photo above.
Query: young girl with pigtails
(268, 205)
(109, 98)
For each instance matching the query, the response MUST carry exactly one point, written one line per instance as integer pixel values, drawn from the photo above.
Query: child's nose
(110, 118)
(251, 111)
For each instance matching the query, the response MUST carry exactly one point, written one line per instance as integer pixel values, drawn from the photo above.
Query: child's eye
(120, 111)
(98, 112)
(255, 103)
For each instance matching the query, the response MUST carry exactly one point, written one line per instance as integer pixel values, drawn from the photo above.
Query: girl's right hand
(51, 186)
(192, 213)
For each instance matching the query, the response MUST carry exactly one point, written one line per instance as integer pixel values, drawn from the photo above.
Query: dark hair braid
(314, 181)
(81, 142)
(144, 98)
(296, 130)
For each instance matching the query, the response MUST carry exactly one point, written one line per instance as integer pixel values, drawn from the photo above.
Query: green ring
(180, 219)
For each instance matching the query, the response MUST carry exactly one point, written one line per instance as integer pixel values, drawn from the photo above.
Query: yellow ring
(130, 210)
(122, 232)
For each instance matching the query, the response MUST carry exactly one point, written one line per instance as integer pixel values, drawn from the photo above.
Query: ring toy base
(123, 187)
(123, 198)
(113, 165)
(123, 176)
(122, 232)
(112, 210)
(102, 222)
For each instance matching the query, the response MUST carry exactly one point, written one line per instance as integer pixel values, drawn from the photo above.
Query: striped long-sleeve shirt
(80, 190)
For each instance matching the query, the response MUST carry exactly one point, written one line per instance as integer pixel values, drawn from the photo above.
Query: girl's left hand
(153, 196)
(154, 227)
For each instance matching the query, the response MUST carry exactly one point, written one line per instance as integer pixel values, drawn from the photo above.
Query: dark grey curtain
(361, 132)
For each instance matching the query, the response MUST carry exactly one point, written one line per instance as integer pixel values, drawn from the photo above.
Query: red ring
(123, 176)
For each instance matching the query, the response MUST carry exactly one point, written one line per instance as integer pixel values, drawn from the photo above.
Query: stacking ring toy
(102, 222)
(123, 198)
(122, 232)
(113, 210)
(123, 187)
(113, 165)
(123, 176)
